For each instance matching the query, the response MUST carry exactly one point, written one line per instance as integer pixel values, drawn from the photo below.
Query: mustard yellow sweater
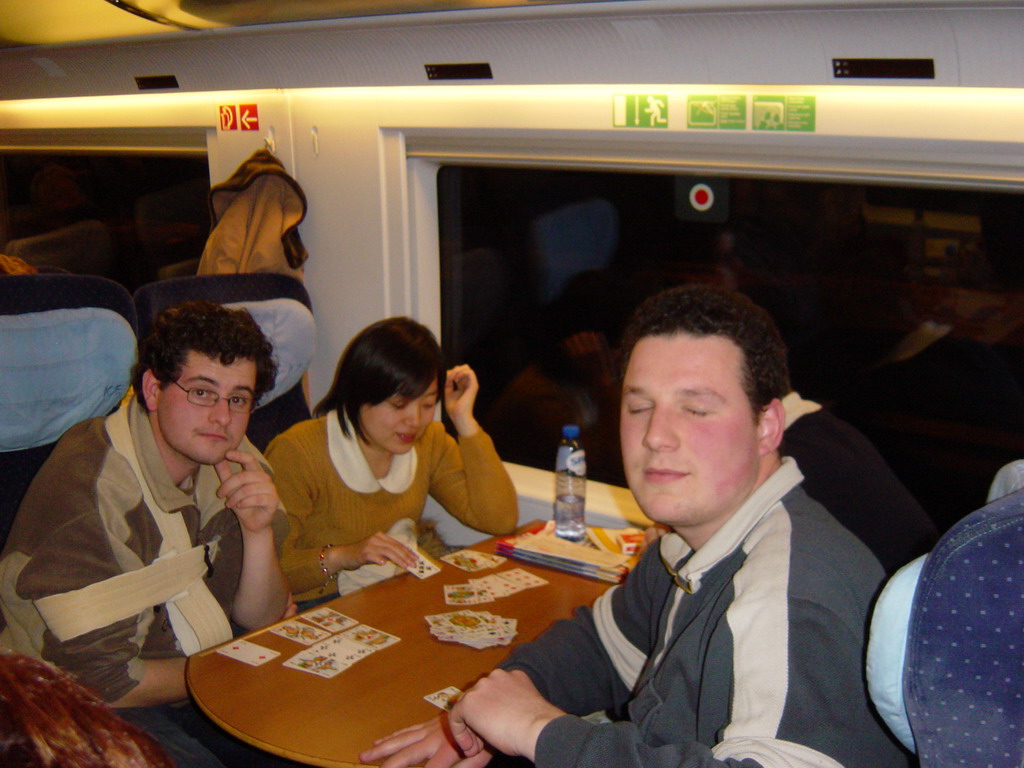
(466, 477)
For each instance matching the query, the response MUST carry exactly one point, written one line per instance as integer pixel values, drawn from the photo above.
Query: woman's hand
(375, 550)
(460, 389)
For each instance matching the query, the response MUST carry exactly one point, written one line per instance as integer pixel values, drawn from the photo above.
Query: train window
(133, 218)
(903, 308)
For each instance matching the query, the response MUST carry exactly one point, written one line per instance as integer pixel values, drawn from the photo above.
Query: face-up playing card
(316, 661)
(329, 619)
(496, 586)
(300, 632)
(523, 578)
(465, 594)
(328, 657)
(445, 698)
(370, 637)
(471, 560)
(248, 652)
(348, 650)
(423, 568)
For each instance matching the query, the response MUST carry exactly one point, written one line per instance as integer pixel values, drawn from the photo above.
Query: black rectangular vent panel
(884, 69)
(156, 82)
(459, 71)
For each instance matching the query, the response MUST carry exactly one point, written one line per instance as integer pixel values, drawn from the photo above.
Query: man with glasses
(148, 530)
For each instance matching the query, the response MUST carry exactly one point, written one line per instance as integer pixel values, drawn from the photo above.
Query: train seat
(67, 346)
(282, 307)
(84, 247)
(945, 654)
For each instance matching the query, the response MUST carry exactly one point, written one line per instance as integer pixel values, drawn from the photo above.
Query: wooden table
(328, 722)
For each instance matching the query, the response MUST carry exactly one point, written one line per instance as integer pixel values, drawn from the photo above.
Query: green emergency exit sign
(640, 110)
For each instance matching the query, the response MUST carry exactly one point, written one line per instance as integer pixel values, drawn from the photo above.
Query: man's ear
(770, 427)
(150, 390)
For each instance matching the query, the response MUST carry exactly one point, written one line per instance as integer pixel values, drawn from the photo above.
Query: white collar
(733, 532)
(795, 407)
(354, 470)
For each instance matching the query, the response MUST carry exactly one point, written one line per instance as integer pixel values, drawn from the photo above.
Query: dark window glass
(132, 218)
(903, 308)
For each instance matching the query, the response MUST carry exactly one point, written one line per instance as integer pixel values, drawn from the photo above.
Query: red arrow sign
(241, 117)
(248, 117)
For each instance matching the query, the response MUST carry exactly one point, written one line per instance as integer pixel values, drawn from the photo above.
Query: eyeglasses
(207, 399)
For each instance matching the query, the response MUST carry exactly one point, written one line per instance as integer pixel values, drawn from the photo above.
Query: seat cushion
(60, 367)
(289, 326)
(887, 649)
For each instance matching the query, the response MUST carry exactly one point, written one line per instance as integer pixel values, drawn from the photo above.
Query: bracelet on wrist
(323, 565)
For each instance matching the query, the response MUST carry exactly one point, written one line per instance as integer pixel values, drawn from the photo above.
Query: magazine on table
(607, 554)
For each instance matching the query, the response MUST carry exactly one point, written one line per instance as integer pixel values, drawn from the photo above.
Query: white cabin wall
(339, 170)
(382, 131)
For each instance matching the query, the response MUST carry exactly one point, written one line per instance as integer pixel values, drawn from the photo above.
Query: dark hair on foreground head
(47, 720)
(222, 334)
(702, 310)
(396, 356)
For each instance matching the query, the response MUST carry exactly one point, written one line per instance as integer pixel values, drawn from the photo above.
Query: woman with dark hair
(354, 479)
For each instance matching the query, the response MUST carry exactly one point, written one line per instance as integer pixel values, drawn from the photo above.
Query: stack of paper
(541, 546)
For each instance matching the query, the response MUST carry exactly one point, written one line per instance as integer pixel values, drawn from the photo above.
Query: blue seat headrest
(887, 649)
(291, 329)
(59, 367)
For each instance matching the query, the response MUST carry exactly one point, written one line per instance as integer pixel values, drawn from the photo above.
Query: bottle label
(576, 463)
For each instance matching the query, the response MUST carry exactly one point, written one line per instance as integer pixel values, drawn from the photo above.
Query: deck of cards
(477, 629)
(489, 588)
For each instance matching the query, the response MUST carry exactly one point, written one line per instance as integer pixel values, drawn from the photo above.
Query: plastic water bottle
(570, 485)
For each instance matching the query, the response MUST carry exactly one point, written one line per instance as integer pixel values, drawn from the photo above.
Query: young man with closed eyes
(739, 639)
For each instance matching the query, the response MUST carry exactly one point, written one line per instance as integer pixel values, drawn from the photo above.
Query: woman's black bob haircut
(396, 356)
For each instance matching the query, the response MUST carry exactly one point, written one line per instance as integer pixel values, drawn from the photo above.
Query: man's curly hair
(222, 334)
(704, 310)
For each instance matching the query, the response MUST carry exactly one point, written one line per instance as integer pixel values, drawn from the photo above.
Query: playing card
(248, 652)
(348, 650)
(300, 632)
(523, 578)
(317, 661)
(444, 698)
(465, 594)
(329, 619)
(496, 586)
(329, 657)
(423, 568)
(471, 560)
(370, 637)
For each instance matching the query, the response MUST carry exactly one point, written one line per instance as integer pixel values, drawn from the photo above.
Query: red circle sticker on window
(701, 197)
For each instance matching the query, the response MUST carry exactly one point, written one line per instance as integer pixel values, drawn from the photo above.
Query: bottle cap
(571, 431)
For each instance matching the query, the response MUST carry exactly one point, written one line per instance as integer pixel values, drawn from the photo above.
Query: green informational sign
(723, 112)
(640, 110)
(783, 113)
